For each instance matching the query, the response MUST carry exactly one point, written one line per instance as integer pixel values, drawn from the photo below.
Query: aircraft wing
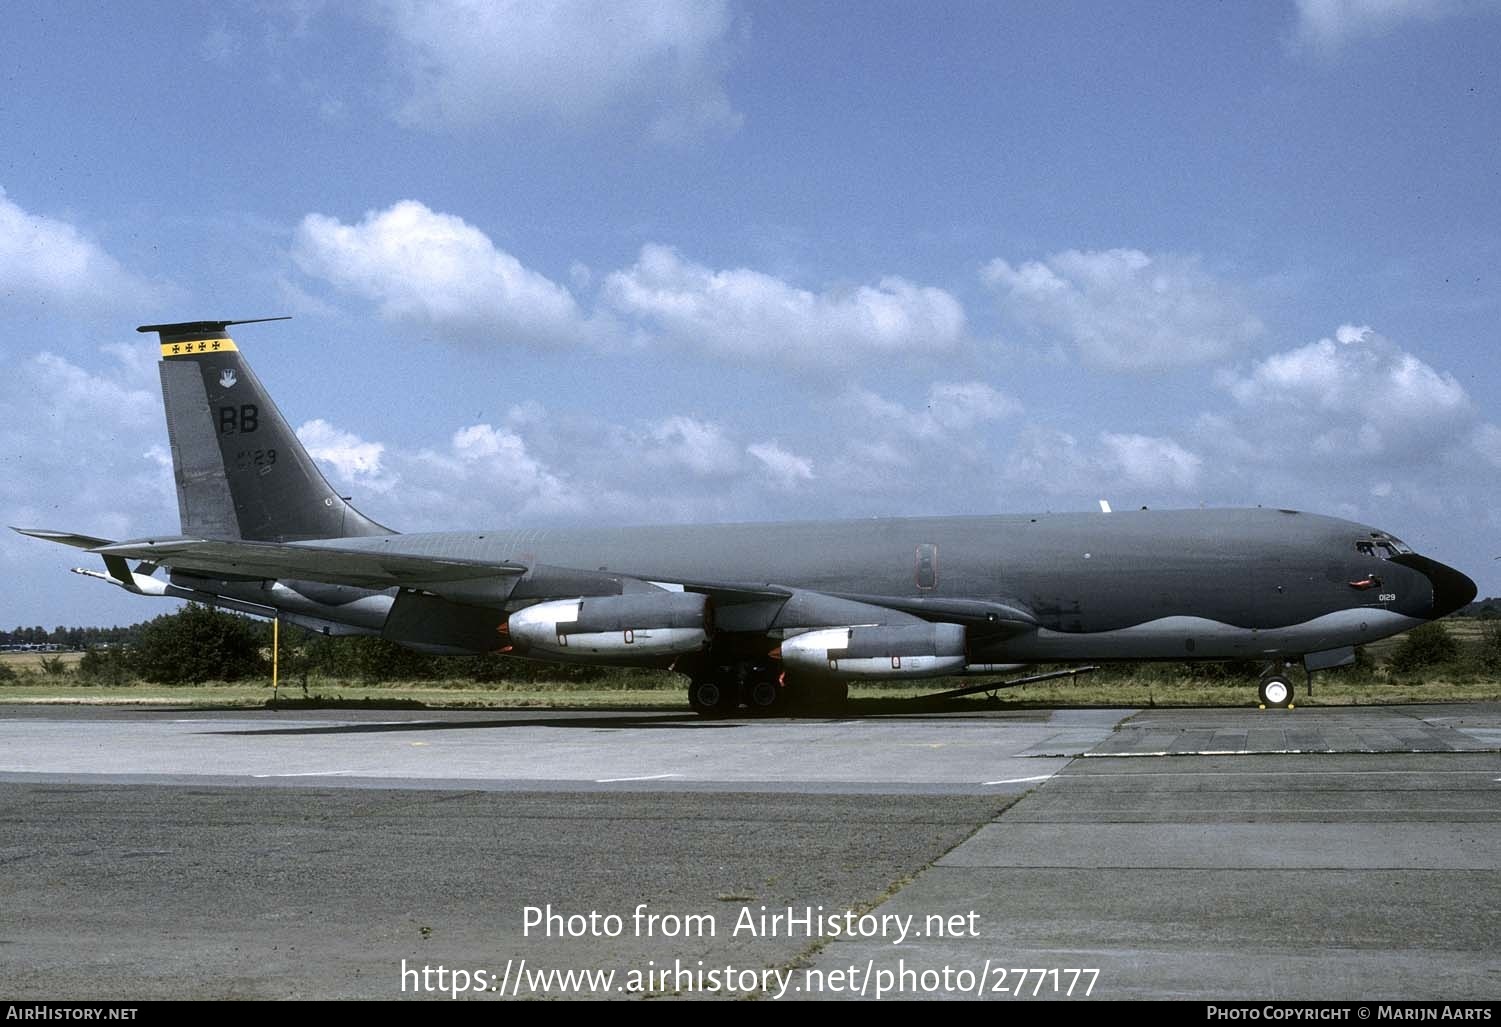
(741, 606)
(338, 565)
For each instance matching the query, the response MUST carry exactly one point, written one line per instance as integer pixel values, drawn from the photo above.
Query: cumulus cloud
(1354, 425)
(44, 259)
(352, 458)
(1151, 463)
(498, 461)
(783, 469)
(1354, 395)
(1329, 24)
(1059, 464)
(440, 273)
(1124, 310)
(951, 407)
(697, 446)
(80, 450)
(740, 313)
(656, 63)
(551, 467)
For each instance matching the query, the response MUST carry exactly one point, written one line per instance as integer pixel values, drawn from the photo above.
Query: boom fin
(240, 470)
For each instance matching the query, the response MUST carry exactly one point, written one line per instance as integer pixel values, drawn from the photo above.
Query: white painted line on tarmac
(1019, 780)
(310, 773)
(1105, 755)
(1283, 773)
(649, 777)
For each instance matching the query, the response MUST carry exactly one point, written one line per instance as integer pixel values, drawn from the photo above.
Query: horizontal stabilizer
(361, 567)
(195, 327)
(66, 538)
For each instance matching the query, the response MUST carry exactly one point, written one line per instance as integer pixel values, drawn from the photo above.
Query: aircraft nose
(1451, 589)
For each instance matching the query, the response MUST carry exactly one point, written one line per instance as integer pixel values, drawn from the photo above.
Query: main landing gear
(721, 690)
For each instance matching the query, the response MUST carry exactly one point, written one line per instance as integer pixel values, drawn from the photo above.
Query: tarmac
(1208, 854)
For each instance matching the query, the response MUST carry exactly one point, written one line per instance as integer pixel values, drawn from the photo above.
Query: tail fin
(241, 472)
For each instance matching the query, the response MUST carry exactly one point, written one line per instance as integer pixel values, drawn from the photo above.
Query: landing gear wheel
(713, 698)
(1275, 692)
(765, 696)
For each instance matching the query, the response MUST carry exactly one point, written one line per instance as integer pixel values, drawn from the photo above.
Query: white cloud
(783, 469)
(741, 313)
(1152, 463)
(352, 458)
(698, 446)
(1125, 310)
(951, 407)
(1122, 467)
(1352, 425)
(80, 450)
(1356, 395)
(438, 272)
(44, 259)
(498, 461)
(961, 405)
(679, 468)
(1329, 24)
(1049, 461)
(656, 63)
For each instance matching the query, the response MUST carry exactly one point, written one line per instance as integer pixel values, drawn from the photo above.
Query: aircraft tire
(710, 698)
(1275, 692)
(765, 697)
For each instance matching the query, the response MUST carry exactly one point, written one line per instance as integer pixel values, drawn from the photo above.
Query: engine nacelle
(645, 624)
(888, 653)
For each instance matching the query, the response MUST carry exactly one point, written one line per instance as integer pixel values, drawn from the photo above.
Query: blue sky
(702, 260)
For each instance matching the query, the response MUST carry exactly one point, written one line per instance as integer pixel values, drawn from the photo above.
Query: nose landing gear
(1275, 691)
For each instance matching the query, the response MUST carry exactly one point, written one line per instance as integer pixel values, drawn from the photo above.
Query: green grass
(1165, 686)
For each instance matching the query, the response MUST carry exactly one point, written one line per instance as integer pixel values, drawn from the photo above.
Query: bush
(198, 644)
(364, 658)
(8, 674)
(106, 666)
(54, 667)
(1488, 652)
(374, 660)
(1426, 646)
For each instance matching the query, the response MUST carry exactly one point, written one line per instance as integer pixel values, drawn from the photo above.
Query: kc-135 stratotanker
(757, 615)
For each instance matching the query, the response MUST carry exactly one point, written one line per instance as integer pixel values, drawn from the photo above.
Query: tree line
(70, 638)
(198, 643)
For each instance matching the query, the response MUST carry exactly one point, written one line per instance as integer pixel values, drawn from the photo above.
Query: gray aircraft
(755, 615)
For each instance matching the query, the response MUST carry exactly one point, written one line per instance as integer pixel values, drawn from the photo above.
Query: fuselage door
(927, 567)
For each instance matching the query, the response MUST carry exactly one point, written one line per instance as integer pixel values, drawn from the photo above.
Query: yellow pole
(275, 653)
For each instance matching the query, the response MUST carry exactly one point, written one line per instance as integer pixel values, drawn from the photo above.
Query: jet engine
(880, 652)
(646, 624)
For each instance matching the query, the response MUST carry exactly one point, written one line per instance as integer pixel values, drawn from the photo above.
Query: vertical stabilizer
(240, 470)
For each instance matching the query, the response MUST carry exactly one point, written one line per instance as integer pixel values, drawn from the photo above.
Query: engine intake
(636, 624)
(889, 653)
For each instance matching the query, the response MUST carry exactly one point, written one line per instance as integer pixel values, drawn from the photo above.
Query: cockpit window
(1382, 547)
